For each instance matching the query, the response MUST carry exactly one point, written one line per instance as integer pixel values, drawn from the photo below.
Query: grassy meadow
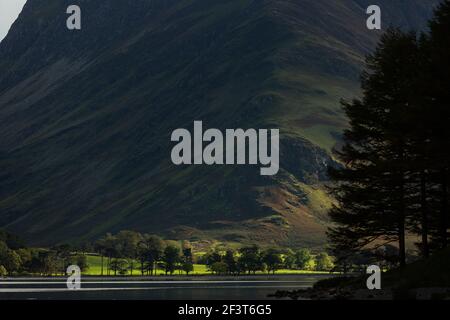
(94, 269)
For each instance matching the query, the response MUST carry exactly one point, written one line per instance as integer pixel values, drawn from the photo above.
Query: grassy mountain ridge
(86, 117)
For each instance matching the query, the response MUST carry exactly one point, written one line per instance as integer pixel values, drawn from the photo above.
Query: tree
(171, 258)
(187, 254)
(219, 268)
(272, 260)
(324, 262)
(3, 271)
(212, 257)
(101, 247)
(188, 267)
(150, 250)
(108, 247)
(395, 161)
(127, 246)
(250, 259)
(26, 255)
(371, 186)
(289, 259)
(119, 265)
(188, 263)
(303, 258)
(437, 83)
(230, 260)
(11, 261)
(3, 250)
(80, 260)
(63, 253)
(47, 262)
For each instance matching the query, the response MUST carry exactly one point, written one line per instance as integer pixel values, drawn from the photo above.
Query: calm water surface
(193, 288)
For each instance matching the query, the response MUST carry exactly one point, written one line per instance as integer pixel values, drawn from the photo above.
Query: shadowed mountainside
(86, 116)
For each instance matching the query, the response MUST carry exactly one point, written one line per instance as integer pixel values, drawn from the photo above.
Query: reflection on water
(245, 288)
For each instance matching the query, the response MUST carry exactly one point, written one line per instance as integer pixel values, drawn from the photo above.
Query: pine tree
(394, 178)
(372, 186)
(438, 53)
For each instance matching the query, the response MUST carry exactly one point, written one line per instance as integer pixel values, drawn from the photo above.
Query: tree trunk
(102, 266)
(401, 223)
(444, 209)
(424, 210)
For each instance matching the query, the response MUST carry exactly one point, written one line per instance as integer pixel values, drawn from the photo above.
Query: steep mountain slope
(86, 116)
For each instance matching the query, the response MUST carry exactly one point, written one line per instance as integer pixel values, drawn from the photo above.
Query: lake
(155, 288)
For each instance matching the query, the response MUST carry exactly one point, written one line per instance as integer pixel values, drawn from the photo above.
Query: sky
(9, 11)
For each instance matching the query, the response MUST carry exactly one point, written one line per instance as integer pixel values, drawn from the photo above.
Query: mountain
(86, 116)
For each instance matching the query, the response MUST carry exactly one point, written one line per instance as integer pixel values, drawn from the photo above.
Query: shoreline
(176, 277)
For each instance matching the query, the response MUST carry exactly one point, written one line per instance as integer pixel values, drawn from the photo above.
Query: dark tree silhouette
(438, 94)
(395, 160)
(371, 185)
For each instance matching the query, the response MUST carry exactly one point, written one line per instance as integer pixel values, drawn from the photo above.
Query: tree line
(17, 259)
(249, 260)
(120, 252)
(393, 181)
(128, 252)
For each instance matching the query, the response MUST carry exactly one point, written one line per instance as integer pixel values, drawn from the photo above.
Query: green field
(94, 263)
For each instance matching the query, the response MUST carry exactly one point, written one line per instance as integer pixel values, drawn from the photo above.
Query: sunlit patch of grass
(199, 269)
